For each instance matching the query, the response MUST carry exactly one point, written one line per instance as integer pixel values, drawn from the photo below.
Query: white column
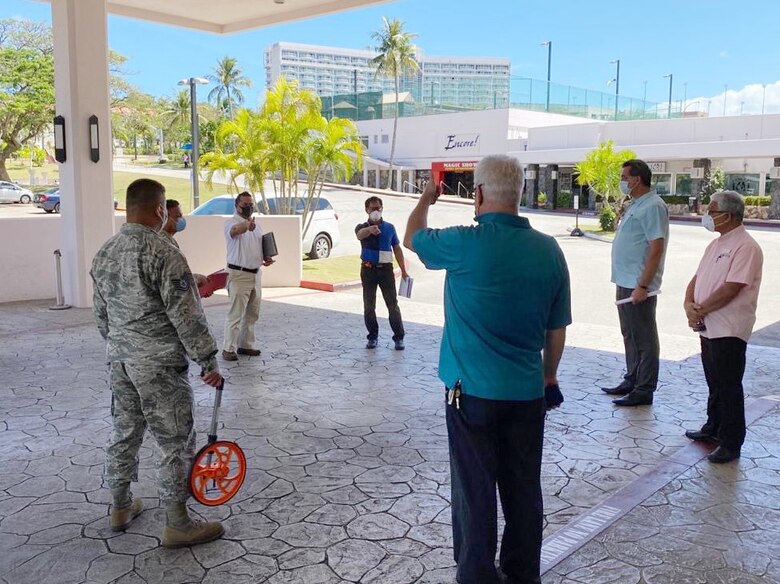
(365, 173)
(86, 187)
(399, 176)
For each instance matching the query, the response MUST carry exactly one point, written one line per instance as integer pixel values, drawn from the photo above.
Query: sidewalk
(348, 478)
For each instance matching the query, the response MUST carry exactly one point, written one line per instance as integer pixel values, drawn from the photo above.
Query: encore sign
(461, 142)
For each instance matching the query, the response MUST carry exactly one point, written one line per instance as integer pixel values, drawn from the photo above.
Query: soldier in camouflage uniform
(147, 308)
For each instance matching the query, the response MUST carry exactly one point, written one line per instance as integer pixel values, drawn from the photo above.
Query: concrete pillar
(774, 204)
(552, 194)
(699, 184)
(86, 187)
(532, 186)
(365, 174)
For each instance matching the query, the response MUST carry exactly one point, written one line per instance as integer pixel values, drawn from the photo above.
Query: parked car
(48, 200)
(323, 233)
(13, 193)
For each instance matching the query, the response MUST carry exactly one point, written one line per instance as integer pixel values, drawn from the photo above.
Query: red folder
(214, 282)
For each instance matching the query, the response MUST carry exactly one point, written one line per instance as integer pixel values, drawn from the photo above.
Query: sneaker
(399, 345)
(197, 533)
(371, 344)
(250, 352)
(121, 519)
(229, 356)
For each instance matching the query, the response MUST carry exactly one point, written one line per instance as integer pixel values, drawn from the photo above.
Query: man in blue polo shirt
(506, 308)
(379, 242)
(638, 253)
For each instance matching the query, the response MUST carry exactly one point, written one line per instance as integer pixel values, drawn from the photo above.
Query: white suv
(323, 233)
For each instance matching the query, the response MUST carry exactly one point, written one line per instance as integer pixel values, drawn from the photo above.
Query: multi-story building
(449, 81)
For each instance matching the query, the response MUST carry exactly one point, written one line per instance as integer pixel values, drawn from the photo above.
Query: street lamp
(548, 44)
(193, 82)
(617, 85)
(725, 93)
(763, 98)
(669, 108)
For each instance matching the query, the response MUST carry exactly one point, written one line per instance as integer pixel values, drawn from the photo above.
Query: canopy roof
(227, 16)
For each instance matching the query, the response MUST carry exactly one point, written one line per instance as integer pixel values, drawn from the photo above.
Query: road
(588, 259)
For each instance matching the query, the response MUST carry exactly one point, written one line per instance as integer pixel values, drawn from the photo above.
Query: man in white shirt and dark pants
(244, 258)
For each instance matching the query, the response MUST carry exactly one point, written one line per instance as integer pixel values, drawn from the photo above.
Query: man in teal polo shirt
(506, 307)
(638, 253)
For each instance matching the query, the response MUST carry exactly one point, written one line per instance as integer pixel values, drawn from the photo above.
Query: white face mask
(708, 222)
(375, 216)
(624, 188)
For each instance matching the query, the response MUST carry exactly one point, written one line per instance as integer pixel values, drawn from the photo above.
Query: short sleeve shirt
(378, 249)
(245, 250)
(733, 257)
(645, 220)
(506, 285)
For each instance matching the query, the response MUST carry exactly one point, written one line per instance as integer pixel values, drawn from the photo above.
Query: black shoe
(399, 344)
(250, 352)
(635, 399)
(371, 344)
(699, 436)
(621, 389)
(722, 455)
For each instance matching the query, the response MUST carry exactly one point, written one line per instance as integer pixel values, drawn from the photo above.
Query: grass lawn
(332, 270)
(175, 188)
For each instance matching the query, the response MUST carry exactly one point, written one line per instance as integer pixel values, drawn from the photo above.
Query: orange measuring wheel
(219, 468)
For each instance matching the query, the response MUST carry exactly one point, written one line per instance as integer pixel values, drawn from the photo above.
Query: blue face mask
(181, 224)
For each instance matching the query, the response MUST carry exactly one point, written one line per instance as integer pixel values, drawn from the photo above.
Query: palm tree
(228, 79)
(395, 57)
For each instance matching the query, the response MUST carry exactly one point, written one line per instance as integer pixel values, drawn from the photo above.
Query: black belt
(251, 271)
(373, 265)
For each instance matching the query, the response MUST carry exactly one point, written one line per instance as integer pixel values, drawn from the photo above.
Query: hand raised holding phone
(431, 192)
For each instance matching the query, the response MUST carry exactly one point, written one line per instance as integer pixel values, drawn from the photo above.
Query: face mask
(246, 212)
(181, 224)
(161, 228)
(375, 216)
(708, 222)
(624, 188)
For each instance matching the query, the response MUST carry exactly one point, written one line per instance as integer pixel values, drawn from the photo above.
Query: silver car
(13, 193)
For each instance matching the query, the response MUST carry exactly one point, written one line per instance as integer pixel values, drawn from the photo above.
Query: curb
(335, 287)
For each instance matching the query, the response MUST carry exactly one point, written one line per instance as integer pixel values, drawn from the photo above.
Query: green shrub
(565, 200)
(675, 199)
(758, 201)
(542, 199)
(607, 218)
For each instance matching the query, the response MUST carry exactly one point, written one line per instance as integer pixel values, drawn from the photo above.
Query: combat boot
(122, 518)
(181, 531)
(195, 533)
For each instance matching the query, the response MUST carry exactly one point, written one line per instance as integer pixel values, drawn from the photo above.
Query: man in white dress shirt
(244, 258)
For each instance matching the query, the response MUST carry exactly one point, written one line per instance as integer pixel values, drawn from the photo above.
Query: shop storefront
(455, 177)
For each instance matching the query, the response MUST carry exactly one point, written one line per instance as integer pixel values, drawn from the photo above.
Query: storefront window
(662, 183)
(744, 184)
(683, 185)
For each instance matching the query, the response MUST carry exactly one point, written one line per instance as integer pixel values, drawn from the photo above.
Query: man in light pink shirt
(720, 303)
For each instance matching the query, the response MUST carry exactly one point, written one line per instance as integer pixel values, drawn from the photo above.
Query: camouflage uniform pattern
(147, 308)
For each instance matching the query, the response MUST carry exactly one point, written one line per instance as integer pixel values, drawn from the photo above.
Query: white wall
(27, 245)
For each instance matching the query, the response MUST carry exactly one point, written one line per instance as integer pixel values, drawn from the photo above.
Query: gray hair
(730, 202)
(501, 178)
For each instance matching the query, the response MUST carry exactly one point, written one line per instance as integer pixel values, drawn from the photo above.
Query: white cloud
(723, 54)
(749, 100)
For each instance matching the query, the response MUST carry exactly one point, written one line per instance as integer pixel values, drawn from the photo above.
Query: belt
(250, 270)
(373, 265)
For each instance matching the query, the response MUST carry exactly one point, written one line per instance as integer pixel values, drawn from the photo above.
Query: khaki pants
(244, 289)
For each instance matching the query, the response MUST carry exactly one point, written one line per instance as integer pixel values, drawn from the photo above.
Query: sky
(713, 49)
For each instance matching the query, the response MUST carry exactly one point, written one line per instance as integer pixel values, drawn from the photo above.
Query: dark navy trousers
(496, 443)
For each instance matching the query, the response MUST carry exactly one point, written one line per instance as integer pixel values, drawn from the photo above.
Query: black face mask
(246, 212)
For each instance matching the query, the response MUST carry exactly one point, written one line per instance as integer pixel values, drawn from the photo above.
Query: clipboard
(214, 282)
(405, 287)
(269, 245)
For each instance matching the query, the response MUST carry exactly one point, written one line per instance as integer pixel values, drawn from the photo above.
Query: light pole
(763, 98)
(725, 93)
(669, 107)
(685, 93)
(548, 44)
(617, 85)
(193, 82)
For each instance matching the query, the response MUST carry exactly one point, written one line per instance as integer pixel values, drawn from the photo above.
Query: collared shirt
(506, 285)
(732, 257)
(245, 250)
(645, 220)
(146, 303)
(378, 249)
